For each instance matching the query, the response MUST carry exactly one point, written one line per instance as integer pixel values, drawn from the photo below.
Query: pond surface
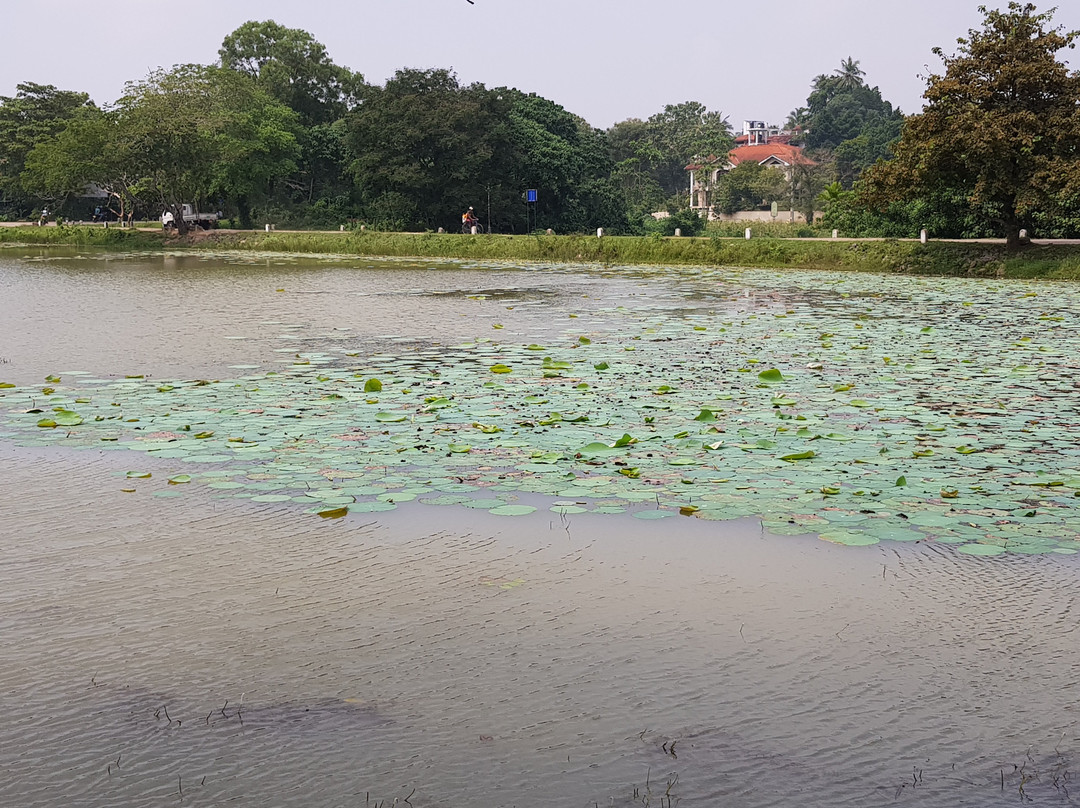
(543, 576)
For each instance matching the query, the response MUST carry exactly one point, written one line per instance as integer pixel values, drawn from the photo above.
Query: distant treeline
(275, 131)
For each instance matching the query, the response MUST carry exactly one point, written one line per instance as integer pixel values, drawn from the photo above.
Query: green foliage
(91, 149)
(424, 148)
(749, 186)
(81, 236)
(652, 155)
(198, 133)
(1001, 127)
(781, 227)
(36, 113)
(847, 123)
(289, 65)
(687, 221)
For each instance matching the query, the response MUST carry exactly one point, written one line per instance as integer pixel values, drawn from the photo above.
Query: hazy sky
(606, 60)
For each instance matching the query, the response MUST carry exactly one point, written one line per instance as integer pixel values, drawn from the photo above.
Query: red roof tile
(759, 154)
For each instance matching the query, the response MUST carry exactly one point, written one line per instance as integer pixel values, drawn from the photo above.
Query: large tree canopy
(192, 134)
(1001, 126)
(425, 147)
(294, 68)
(847, 122)
(36, 113)
(654, 153)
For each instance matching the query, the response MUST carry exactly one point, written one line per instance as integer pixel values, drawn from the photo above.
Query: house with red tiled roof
(760, 145)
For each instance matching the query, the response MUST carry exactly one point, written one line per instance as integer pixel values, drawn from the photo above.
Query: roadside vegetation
(886, 255)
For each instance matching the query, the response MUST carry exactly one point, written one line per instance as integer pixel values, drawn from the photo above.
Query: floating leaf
(180, 479)
(512, 510)
(799, 456)
(138, 475)
(981, 550)
(391, 417)
(373, 386)
(500, 368)
(333, 513)
(67, 418)
(771, 375)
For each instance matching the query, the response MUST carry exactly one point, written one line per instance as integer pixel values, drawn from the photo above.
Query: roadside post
(530, 206)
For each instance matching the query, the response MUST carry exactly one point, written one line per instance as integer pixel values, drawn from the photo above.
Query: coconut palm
(798, 118)
(850, 74)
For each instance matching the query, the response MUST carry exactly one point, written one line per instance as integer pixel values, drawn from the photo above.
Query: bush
(685, 220)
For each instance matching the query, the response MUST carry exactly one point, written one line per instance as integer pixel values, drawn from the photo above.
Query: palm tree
(798, 118)
(850, 75)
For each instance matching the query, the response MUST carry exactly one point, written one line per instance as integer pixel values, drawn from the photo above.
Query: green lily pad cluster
(860, 408)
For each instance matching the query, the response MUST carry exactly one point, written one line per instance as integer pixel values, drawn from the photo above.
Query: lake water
(203, 649)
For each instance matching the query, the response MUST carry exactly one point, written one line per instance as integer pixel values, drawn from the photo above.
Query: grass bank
(1061, 261)
(80, 236)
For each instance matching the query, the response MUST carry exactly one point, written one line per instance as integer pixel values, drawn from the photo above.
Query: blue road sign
(530, 195)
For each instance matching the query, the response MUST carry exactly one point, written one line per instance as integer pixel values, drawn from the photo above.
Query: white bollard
(473, 229)
(836, 234)
(678, 232)
(550, 232)
(599, 232)
(922, 236)
(363, 227)
(441, 230)
(1023, 235)
(748, 234)
(268, 228)
(341, 229)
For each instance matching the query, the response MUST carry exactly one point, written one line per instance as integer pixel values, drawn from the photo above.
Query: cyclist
(469, 220)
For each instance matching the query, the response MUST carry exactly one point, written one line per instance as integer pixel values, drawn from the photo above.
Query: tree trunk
(243, 210)
(177, 211)
(1012, 231)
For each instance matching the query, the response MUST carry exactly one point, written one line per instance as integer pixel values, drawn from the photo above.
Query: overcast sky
(605, 60)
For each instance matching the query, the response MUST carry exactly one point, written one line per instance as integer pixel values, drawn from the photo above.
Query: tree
(1001, 125)
(35, 114)
(798, 118)
(195, 134)
(685, 132)
(423, 147)
(850, 74)
(90, 150)
(748, 186)
(636, 160)
(294, 68)
(653, 154)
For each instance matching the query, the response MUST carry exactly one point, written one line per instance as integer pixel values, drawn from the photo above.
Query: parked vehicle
(192, 218)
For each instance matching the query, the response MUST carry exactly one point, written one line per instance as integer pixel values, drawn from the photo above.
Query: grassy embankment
(935, 258)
